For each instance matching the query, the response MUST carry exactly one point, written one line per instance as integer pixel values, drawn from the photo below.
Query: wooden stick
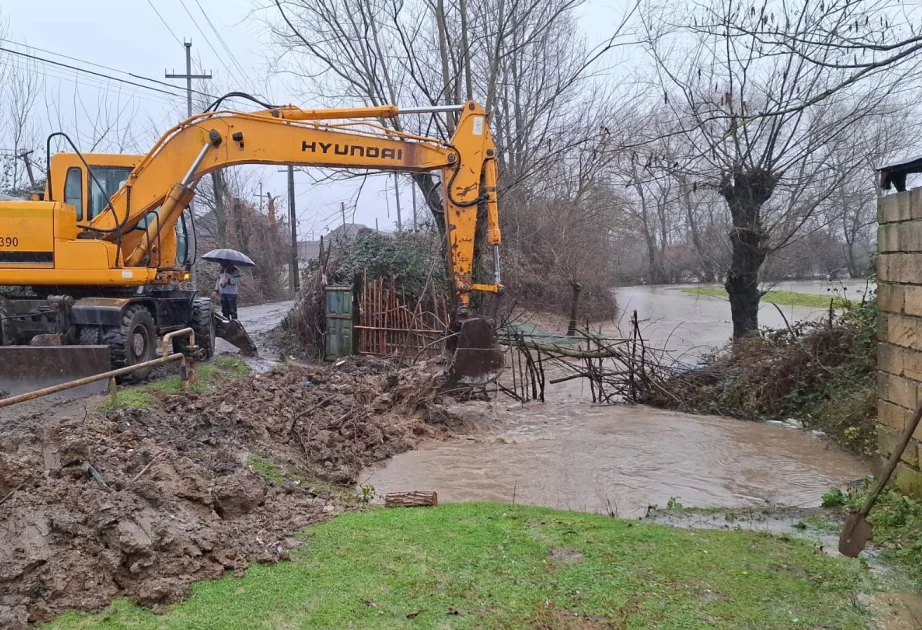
(415, 498)
(145, 469)
(13, 491)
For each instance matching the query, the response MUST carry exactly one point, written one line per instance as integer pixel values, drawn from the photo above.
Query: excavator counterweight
(102, 258)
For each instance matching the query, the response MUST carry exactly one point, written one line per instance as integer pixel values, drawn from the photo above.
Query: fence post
(356, 312)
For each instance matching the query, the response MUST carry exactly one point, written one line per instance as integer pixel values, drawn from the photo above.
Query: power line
(205, 37)
(223, 43)
(104, 67)
(164, 22)
(84, 70)
(51, 72)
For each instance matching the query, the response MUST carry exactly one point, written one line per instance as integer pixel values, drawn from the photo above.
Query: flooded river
(571, 454)
(623, 458)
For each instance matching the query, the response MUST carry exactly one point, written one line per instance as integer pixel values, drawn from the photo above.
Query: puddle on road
(623, 458)
(258, 321)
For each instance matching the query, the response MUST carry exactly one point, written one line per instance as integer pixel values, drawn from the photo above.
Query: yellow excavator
(102, 258)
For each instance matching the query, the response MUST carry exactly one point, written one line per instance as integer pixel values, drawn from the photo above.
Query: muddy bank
(144, 502)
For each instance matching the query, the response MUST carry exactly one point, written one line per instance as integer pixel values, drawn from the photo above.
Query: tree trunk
(571, 328)
(415, 498)
(745, 190)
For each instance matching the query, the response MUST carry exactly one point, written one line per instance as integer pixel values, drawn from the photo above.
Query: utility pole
(342, 207)
(188, 76)
(397, 197)
(413, 188)
(295, 280)
(260, 195)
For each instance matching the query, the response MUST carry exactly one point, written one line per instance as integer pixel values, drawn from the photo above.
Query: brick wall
(899, 377)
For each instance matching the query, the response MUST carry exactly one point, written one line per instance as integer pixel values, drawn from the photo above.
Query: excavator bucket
(232, 331)
(478, 359)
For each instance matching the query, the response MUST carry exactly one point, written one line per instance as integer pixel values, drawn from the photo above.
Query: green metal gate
(339, 322)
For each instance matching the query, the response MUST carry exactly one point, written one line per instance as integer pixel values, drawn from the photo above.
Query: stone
(887, 441)
(912, 300)
(915, 204)
(909, 235)
(890, 358)
(896, 389)
(902, 330)
(888, 237)
(888, 208)
(891, 415)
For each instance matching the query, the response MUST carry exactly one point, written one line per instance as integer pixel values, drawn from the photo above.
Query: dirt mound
(144, 502)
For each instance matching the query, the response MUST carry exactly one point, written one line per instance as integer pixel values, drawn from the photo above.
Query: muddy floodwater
(691, 325)
(571, 454)
(623, 458)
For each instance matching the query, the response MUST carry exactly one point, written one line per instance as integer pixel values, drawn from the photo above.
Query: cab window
(110, 179)
(182, 242)
(73, 189)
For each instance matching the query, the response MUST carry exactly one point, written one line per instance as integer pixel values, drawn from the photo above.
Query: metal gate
(339, 322)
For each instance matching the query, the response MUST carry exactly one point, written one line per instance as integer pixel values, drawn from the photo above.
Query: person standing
(226, 288)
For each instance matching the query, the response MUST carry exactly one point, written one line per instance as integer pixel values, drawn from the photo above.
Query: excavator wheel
(132, 342)
(89, 336)
(203, 325)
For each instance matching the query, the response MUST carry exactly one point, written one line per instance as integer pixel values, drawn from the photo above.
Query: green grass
(265, 469)
(781, 298)
(897, 522)
(495, 566)
(206, 374)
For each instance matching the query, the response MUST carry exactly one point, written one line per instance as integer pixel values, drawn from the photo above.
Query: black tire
(90, 336)
(133, 342)
(203, 325)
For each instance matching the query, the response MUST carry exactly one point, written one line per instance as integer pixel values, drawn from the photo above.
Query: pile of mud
(141, 503)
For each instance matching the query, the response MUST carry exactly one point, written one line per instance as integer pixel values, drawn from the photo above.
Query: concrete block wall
(899, 358)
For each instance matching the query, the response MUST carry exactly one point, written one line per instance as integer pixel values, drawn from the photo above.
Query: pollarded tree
(771, 170)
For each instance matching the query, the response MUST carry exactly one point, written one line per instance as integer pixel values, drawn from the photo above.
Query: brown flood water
(571, 454)
(599, 458)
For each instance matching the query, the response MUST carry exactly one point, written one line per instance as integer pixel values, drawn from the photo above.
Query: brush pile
(821, 373)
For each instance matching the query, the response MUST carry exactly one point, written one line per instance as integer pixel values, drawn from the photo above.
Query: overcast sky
(128, 35)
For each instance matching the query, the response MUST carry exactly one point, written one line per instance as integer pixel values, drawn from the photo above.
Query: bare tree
(855, 42)
(771, 171)
(523, 59)
(20, 87)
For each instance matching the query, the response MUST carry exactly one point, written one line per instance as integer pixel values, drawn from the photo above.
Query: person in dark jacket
(226, 288)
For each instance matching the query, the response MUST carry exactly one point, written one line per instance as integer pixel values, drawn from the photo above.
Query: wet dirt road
(258, 321)
(568, 453)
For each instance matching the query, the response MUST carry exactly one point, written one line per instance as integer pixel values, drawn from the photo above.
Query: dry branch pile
(821, 373)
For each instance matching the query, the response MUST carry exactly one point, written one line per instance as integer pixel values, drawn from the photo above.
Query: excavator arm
(164, 181)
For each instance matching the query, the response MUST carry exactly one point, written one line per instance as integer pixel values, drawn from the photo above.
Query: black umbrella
(230, 256)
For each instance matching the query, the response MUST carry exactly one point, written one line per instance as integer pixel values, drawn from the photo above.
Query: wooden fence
(392, 324)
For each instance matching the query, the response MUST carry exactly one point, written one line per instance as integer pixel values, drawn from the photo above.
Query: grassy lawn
(509, 566)
(207, 373)
(781, 298)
